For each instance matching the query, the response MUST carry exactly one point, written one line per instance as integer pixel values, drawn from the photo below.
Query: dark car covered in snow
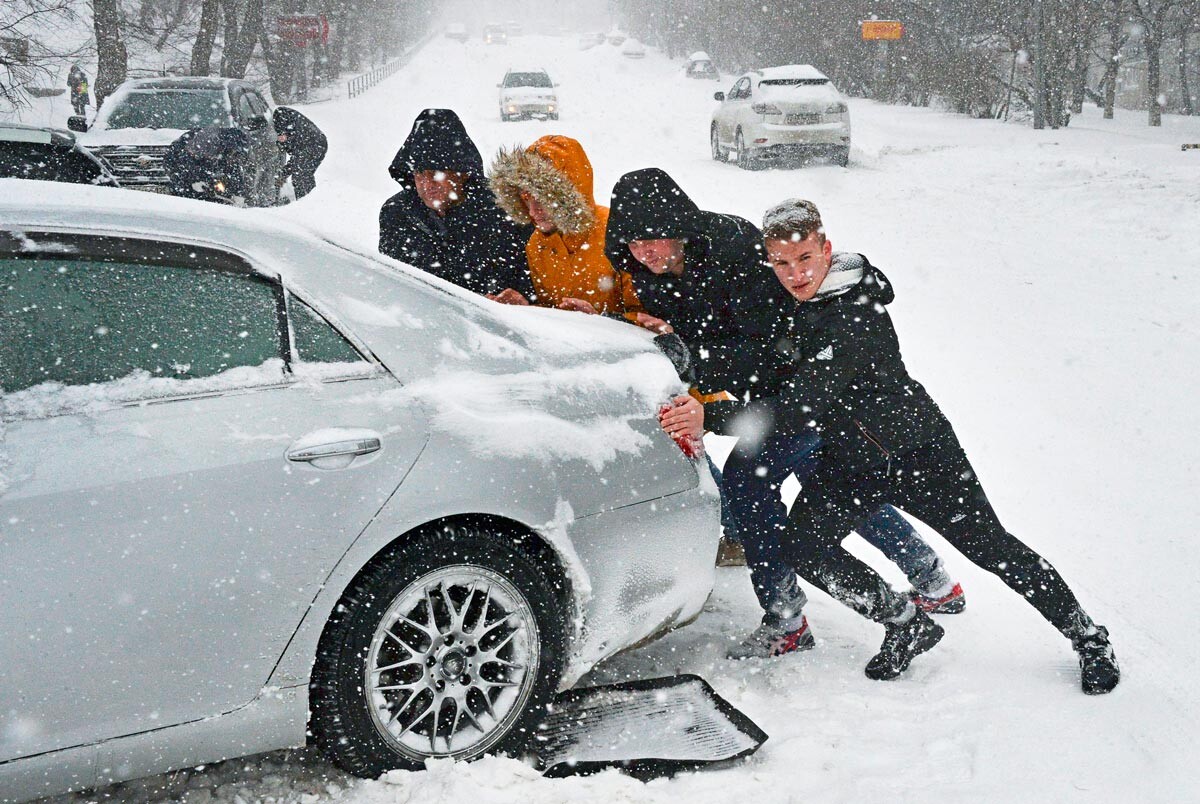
(49, 154)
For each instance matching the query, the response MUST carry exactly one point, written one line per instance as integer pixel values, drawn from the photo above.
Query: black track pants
(936, 484)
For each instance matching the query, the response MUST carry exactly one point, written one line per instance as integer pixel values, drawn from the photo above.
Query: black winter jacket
(726, 292)
(475, 245)
(305, 142)
(834, 365)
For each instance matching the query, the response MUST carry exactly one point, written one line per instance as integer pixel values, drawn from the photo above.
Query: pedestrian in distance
(886, 442)
(304, 145)
(549, 185)
(702, 275)
(444, 220)
(77, 83)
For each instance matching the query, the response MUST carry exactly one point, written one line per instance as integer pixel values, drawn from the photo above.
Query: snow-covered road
(1045, 284)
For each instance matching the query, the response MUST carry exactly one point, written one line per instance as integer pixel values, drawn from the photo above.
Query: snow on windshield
(528, 80)
(170, 109)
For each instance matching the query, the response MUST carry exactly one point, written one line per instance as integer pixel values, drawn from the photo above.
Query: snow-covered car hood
(98, 137)
(527, 93)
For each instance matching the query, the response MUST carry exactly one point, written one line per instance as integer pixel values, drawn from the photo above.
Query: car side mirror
(719, 96)
(77, 122)
(256, 123)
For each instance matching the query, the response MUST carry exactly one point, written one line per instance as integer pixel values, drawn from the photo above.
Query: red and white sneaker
(952, 603)
(773, 640)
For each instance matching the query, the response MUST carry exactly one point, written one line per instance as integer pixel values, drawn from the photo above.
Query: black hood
(647, 204)
(438, 141)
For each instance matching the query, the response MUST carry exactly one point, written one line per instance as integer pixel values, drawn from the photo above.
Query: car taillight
(765, 108)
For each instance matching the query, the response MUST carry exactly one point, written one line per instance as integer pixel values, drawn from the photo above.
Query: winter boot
(774, 638)
(1098, 668)
(953, 602)
(902, 642)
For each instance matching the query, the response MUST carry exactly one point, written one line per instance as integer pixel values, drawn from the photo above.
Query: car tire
(842, 157)
(719, 154)
(554, 116)
(745, 158)
(469, 675)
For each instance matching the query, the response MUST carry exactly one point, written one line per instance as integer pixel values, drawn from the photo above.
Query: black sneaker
(902, 643)
(1097, 663)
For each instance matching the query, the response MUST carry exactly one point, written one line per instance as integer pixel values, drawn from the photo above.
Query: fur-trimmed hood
(555, 171)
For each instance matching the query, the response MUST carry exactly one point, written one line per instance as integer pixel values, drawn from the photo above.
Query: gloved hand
(677, 352)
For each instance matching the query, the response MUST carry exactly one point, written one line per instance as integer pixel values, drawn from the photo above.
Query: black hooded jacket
(475, 245)
(726, 292)
(305, 142)
(834, 365)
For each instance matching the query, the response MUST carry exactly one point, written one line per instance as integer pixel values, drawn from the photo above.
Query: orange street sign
(882, 29)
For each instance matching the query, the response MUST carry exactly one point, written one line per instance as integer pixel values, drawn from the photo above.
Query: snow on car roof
(699, 55)
(283, 246)
(182, 82)
(803, 71)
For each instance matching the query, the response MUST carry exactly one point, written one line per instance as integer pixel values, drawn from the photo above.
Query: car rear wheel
(450, 646)
(718, 153)
(842, 157)
(745, 158)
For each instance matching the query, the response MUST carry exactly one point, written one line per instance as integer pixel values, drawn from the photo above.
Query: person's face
(661, 256)
(801, 265)
(439, 189)
(538, 214)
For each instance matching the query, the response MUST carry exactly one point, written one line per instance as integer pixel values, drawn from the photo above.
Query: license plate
(803, 119)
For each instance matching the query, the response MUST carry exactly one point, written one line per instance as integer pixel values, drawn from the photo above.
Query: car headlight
(512, 108)
(836, 108)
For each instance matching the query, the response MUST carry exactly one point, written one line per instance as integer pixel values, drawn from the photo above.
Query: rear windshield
(793, 82)
(527, 80)
(181, 109)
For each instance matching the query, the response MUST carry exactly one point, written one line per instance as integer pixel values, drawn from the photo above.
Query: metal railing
(361, 83)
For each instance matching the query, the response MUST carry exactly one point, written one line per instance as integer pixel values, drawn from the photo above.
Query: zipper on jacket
(886, 453)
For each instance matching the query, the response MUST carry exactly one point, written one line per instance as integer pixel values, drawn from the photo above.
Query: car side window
(77, 321)
(315, 340)
(245, 109)
(740, 90)
(257, 104)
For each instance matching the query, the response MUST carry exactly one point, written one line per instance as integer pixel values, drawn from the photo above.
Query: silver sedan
(257, 489)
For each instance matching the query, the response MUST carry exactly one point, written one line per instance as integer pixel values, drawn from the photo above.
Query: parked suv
(528, 93)
(780, 112)
(138, 123)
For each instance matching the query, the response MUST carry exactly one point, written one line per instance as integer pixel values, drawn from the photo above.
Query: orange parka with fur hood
(570, 262)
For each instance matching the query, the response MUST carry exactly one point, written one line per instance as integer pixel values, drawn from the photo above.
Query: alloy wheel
(452, 663)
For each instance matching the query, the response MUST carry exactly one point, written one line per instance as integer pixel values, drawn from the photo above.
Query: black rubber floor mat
(650, 728)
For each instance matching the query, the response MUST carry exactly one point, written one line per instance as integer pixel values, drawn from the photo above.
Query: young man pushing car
(887, 442)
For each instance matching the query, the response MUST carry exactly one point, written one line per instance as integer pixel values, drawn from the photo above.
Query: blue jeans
(750, 489)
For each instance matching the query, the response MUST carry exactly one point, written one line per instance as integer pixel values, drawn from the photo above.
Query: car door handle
(335, 449)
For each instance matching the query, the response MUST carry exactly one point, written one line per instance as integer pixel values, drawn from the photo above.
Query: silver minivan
(258, 490)
(780, 112)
